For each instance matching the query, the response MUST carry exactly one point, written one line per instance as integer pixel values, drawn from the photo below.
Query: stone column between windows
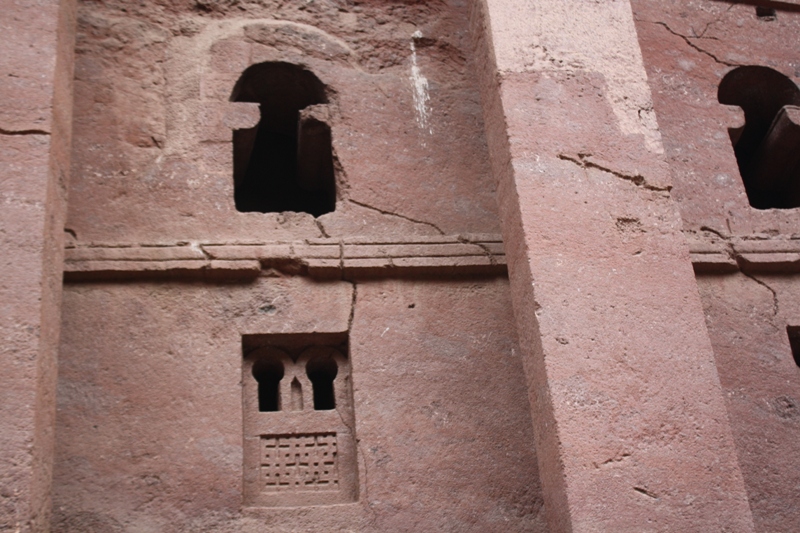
(632, 432)
(35, 133)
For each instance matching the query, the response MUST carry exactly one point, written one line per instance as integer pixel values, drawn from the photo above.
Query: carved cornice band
(481, 254)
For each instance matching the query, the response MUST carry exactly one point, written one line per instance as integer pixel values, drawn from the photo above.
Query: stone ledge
(765, 246)
(769, 262)
(369, 257)
(751, 263)
(758, 254)
(713, 263)
(317, 258)
(88, 270)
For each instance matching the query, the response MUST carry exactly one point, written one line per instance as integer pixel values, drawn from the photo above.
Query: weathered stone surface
(138, 253)
(320, 258)
(152, 111)
(169, 287)
(687, 48)
(714, 262)
(28, 62)
(779, 262)
(747, 318)
(619, 365)
(150, 407)
(35, 128)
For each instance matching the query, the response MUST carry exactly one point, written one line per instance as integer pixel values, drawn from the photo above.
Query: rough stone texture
(35, 127)
(351, 258)
(150, 407)
(165, 277)
(688, 46)
(150, 417)
(629, 416)
(747, 318)
(153, 150)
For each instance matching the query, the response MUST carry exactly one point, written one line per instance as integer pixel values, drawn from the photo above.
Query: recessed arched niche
(767, 147)
(299, 445)
(285, 162)
(268, 372)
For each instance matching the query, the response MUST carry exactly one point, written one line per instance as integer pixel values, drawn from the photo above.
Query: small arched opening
(321, 372)
(268, 372)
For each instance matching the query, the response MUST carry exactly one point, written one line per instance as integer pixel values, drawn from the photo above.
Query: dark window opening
(322, 371)
(768, 147)
(268, 374)
(794, 342)
(766, 13)
(285, 163)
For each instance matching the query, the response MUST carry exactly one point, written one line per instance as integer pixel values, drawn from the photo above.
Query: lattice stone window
(298, 421)
(299, 462)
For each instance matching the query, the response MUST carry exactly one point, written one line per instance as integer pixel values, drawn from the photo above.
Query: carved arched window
(284, 163)
(268, 372)
(768, 146)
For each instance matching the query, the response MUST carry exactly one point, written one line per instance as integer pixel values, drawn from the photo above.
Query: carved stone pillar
(35, 130)
(632, 432)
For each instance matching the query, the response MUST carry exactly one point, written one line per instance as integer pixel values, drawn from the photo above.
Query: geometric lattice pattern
(299, 462)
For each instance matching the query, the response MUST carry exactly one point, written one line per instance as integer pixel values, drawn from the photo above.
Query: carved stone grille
(299, 462)
(299, 447)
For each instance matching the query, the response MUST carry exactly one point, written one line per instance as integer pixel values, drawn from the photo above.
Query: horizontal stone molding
(749, 255)
(369, 257)
(317, 258)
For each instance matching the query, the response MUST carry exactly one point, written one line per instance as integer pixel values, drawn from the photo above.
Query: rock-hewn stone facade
(384, 266)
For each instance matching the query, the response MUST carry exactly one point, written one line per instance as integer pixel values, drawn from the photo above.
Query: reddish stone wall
(153, 154)
(35, 128)
(150, 420)
(150, 405)
(688, 47)
(747, 318)
(620, 367)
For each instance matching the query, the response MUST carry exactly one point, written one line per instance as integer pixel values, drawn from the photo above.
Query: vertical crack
(486, 251)
(725, 239)
(352, 306)
(321, 228)
(709, 24)
(359, 446)
(199, 247)
(775, 308)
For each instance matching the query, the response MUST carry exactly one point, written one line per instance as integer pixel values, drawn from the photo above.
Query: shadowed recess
(768, 147)
(284, 163)
(794, 342)
(268, 374)
(321, 372)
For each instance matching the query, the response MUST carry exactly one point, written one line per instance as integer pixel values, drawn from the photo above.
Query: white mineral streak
(420, 83)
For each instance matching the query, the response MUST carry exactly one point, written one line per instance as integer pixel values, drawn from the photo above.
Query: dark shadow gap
(285, 163)
(794, 342)
(768, 147)
(321, 372)
(268, 374)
